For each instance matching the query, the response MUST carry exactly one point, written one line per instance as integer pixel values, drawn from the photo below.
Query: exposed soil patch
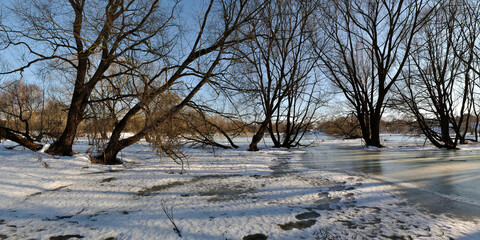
(375, 210)
(281, 166)
(347, 223)
(337, 188)
(65, 237)
(105, 180)
(226, 192)
(159, 188)
(325, 202)
(298, 225)
(394, 237)
(257, 236)
(307, 215)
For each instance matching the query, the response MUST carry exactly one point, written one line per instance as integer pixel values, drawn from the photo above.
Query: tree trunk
(375, 133)
(109, 155)
(365, 127)
(115, 145)
(10, 135)
(258, 137)
(63, 145)
(445, 133)
(275, 140)
(476, 128)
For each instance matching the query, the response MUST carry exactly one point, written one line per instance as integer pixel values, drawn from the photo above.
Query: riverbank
(220, 194)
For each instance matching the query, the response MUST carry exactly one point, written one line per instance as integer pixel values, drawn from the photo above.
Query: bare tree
(467, 26)
(275, 69)
(203, 124)
(21, 103)
(438, 85)
(367, 44)
(86, 38)
(110, 98)
(297, 113)
(20, 107)
(200, 63)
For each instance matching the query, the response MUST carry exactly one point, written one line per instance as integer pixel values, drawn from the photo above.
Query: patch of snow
(44, 148)
(222, 194)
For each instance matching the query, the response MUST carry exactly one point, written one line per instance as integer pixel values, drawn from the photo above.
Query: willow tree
(21, 113)
(438, 87)
(467, 25)
(367, 44)
(275, 71)
(221, 27)
(82, 39)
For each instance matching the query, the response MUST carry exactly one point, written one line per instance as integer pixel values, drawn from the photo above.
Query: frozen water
(442, 181)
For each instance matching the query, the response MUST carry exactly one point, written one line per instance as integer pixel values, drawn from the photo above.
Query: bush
(346, 127)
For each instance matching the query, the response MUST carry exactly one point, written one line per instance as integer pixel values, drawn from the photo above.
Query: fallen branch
(169, 213)
(12, 136)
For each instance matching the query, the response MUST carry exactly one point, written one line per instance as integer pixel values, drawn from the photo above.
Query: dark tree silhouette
(277, 71)
(84, 39)
(367, 44)
(437, 87)
(233, 15)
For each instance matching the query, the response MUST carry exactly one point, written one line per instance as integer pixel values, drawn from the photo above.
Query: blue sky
(13, 56)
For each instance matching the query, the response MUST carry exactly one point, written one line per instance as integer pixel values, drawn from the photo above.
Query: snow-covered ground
(222, 194)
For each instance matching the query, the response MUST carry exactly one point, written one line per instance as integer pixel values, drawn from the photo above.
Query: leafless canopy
(367, 44)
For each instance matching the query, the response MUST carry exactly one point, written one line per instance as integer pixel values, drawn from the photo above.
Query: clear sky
(190, 10)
